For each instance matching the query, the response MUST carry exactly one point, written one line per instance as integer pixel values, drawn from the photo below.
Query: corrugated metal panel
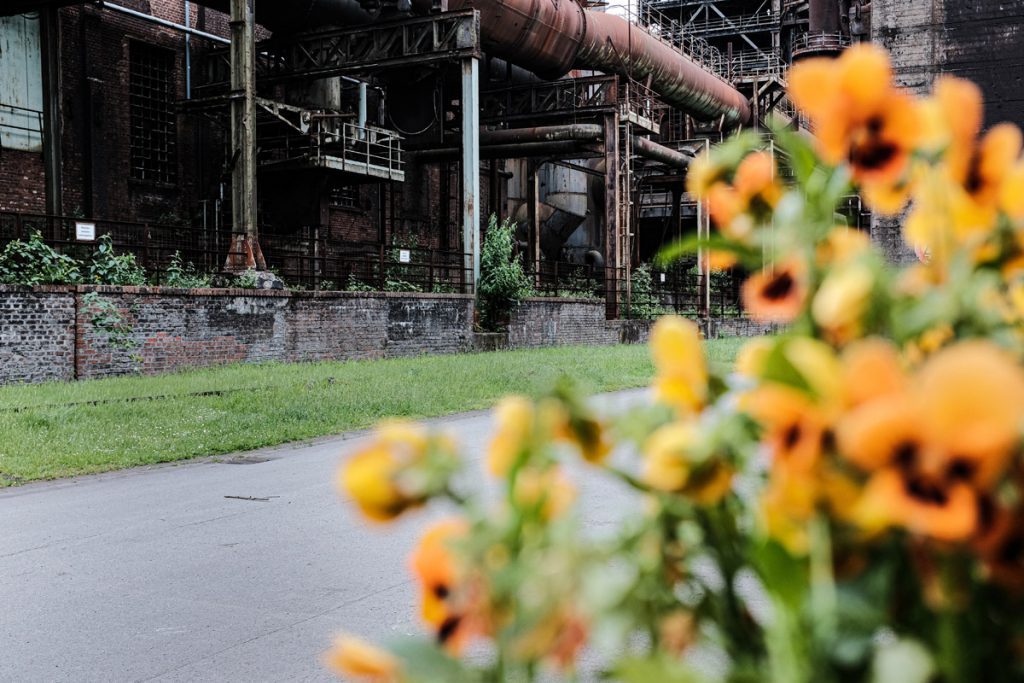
(21, 83)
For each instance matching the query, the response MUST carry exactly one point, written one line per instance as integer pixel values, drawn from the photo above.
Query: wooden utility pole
(245, 252)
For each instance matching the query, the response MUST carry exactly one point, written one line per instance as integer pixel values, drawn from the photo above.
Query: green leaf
(784, 576)
(658, 668)
(424, 662)
(748, 255)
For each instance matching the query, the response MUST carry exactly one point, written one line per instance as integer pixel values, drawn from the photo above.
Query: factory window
(345, 196)
(153, 126)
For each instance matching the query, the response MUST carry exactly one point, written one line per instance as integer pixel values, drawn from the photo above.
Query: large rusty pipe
(572, 131)
(652, 150)
(551, 37)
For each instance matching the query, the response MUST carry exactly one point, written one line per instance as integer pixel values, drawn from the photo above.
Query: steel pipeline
(551, 37)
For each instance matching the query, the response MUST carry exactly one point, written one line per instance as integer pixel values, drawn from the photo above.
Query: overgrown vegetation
(643, 301)
(33, 262)
(109, 268)
(503, 282)
(60, 429)
(108, 320)
(184, 275)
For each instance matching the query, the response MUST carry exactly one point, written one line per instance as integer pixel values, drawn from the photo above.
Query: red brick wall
(95, 107)
(22, 181)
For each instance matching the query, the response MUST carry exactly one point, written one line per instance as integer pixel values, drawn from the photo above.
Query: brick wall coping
(225, 291)
(562, 300)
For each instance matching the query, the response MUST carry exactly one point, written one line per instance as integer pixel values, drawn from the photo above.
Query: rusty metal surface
(574, 131)
(550, 37)
(612, 44)
(654, 151)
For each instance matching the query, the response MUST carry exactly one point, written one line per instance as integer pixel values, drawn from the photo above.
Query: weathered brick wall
(22, 181)
(66, 332)
(557, 322)
(715, 328)
(37, 334)
(173, 329)
(981, 40)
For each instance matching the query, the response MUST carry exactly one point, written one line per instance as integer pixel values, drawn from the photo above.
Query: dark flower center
(791, 436)
(873, 154)
(779, 287)
(448, 628)
(974, 182)
(960, 469)
(926, 491)
(441, 591)
(904, 455)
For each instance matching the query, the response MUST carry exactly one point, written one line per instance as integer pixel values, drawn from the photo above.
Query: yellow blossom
(355, 657)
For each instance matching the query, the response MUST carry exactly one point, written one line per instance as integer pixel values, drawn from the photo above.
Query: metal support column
(471, 166)
(611, 215)
(533, 216)
(52, 124)
(245, 248)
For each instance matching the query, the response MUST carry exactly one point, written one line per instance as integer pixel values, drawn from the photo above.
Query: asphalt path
(236, 568)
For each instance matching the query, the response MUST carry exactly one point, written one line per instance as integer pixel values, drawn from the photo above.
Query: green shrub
(246, 280)
(503, 281)
(354, 284)
(643, 302)
(36, 263)
(108, 268)
(185, 275)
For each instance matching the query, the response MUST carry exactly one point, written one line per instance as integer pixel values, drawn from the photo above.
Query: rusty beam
(611, 215)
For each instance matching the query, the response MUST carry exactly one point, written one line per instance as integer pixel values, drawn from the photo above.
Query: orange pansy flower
(777, 293)
(858, 116)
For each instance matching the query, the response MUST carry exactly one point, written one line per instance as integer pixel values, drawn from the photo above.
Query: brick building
(99, 119)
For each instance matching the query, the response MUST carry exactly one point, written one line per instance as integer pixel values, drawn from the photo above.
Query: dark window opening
(345, 196)
(153, 125)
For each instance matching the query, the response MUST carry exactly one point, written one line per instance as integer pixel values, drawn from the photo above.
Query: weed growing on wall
(108, 321)
(34, 262)
(109, 268)
(185, 275)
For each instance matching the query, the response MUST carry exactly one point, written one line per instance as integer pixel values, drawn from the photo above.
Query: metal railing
(333, 142)
(722, 26)
(749, 63)
(811, 43)
(308, 258)
(19, 122)
(676, 290)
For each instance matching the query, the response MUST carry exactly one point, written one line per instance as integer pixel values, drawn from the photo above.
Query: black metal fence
(310, 258)
(307, 258)
(642, 292)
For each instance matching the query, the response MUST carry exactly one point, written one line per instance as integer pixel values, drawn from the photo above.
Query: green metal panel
(21, 83)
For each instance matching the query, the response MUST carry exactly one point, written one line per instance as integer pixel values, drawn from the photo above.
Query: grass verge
(66, 429)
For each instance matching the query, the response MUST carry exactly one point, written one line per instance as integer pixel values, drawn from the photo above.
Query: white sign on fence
(404, 256)
(85, 232)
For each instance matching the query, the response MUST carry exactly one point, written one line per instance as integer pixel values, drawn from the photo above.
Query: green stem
(823, 583)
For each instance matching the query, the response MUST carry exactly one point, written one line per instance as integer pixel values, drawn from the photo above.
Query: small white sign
(404, 256)
(85, 232)
(662, 277)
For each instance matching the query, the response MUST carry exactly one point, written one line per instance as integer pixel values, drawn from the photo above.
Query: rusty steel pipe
(613, 45)
(652, 150)
(572, 131)
(551, 37)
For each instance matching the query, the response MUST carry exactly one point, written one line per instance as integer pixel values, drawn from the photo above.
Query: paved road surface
(155, 575)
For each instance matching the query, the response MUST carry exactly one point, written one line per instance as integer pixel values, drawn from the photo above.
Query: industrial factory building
(366, 142)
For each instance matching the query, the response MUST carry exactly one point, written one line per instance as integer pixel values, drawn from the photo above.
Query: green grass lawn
(65, 429)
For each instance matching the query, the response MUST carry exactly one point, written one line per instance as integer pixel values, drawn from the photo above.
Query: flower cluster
(845, 503)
